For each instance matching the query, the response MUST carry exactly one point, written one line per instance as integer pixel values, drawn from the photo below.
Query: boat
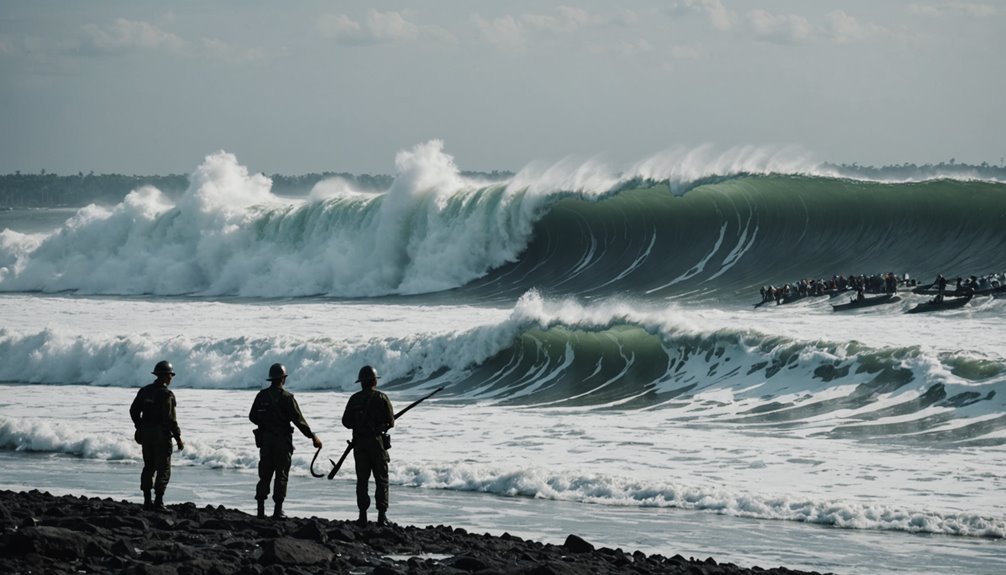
(928, 289)
(797, 297)
(986, 289)
(866, 302)
(934, 306)
(834, 293)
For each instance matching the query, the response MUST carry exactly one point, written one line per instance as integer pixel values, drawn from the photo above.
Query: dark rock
(120, 522)
(577, 545)
(55, 511)
(147, 569)
(71, 523)
(342, 534)
(53, 542)
(205, 567)
(103, 536)
(219, 524)
(162, 522)
(311, 530)
(466, 563)
(123, 548)
(96, 548)
(290, 551)
(267, 530)
(168, 552)
(552, 568)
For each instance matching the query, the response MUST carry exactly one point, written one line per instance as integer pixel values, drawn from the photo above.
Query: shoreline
(40, 532)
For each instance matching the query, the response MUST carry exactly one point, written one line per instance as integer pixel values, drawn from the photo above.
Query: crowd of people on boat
(886, 283)
(966, 287)
(876, 283)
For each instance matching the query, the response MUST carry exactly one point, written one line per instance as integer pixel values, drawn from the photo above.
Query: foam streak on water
(593, 332)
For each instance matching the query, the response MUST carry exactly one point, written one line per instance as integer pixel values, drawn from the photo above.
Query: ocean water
(605, 371)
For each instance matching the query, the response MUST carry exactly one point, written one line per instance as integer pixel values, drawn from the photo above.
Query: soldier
(369, 414)
(273, 411)
(153, 414)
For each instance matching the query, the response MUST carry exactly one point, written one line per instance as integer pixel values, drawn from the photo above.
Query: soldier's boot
(382, 518)
(159, 502)
(148, 503)
(362, 520)
(277, 512)
(261, 509)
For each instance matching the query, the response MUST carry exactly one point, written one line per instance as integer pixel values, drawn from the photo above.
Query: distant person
(273, 410)
(941, 287)
(369, 414)
(153, 414)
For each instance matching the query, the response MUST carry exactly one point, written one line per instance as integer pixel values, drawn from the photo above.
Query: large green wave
(727, 237)
(741, 378)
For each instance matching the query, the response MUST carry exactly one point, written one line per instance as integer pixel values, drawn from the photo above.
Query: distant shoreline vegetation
(44, 189)
(908, 171)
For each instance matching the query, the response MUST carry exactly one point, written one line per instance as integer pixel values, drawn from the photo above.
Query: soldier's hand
(181, 444)
(316, 441)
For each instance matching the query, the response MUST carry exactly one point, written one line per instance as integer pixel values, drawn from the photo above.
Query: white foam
(606, 490)
(651, 459)
(432, 230)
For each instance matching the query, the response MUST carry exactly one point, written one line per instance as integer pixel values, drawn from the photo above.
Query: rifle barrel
(418, 401)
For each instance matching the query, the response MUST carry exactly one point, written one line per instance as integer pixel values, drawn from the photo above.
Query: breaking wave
(604, 490)
(673, 225)
(566, 356)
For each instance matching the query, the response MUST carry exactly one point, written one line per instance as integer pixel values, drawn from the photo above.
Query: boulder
(52, 542)
(577, 545)
(291, 551)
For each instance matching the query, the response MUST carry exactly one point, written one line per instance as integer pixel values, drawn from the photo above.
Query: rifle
(349, 446)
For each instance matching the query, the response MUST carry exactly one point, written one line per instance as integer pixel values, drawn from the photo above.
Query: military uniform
(153, 414)
(273, 411)
(369, 414)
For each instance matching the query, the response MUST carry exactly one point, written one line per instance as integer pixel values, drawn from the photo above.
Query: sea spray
(563, 354)
(682, 224)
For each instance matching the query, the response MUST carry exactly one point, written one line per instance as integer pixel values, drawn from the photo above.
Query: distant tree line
(50, 190)
(921, 171)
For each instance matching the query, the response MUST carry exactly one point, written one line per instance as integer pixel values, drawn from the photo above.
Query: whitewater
(605, 371)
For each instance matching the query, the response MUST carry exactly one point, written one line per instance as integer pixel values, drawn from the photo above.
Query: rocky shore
(42, 533)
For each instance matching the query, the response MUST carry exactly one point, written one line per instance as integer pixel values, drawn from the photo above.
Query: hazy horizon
(502, 171)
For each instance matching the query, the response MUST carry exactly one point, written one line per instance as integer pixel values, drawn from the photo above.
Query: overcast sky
(293, 87)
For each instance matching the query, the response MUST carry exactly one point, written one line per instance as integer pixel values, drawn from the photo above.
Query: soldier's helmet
(276, 371)
(163, 366)
(367, 375)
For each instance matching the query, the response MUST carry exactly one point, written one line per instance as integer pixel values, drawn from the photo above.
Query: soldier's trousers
(156, 461)
(371, 458)
(274, 458)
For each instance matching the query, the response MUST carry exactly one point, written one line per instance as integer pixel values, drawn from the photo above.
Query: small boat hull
(950, 303)
(867, 302)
